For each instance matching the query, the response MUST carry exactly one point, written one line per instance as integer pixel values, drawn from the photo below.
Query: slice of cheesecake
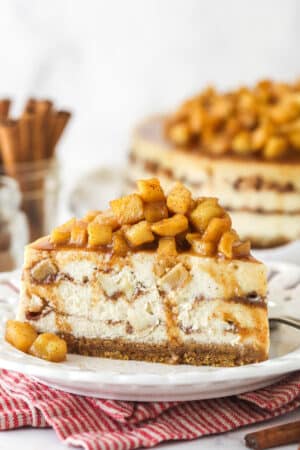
(155, 278)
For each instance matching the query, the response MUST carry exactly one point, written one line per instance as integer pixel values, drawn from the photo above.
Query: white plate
(131, 380)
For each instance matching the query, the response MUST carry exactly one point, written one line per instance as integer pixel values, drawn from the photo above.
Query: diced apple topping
(179, 199)
(150, 190)
(61, 235)
(167, 246)
(139, 234)
(107, 218)
(226, 243)
(79, 234)
(171, 226)
(206, 210)
(155, 211)
(90, 216)
(120, 246)
(174, 224)
(241, 249)
(99, 234)
(129, 209)
(261, 121)
(203, 248)
(216, 227)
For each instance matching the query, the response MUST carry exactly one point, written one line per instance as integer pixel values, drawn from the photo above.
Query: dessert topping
(172, 224)
(263, 120)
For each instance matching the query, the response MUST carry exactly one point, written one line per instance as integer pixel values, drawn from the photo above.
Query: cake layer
(92, 295)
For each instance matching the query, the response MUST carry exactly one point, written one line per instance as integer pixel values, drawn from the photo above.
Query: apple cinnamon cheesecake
(242, 147)
(161, 278)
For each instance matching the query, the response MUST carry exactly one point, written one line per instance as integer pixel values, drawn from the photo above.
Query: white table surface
(37, 439)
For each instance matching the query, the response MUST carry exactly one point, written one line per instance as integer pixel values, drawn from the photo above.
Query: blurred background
(114, 62)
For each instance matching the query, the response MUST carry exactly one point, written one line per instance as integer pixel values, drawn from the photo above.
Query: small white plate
(132, 380)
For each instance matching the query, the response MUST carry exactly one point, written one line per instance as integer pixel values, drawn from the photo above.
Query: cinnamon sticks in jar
(27, 150)
(34, 135)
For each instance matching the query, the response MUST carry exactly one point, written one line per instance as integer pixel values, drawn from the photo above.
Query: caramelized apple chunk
(99, 234)
(150, 190)
(155, 211)
(107, 218)
(61, 235)
(180, 133)
(120, 246)
(171, 226)
(139, 234)
(79, 234)
(241, 249)
(275, 147)
(203, 248)
(20, 334)
(50, 347)
(128, 209)
(205, 211)
(167, 246)
(90, 216)
(179, 199)
(216, 227)
(226, 243)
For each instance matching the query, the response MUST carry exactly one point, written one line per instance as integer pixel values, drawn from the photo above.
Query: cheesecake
(159, 277)
(242, 147)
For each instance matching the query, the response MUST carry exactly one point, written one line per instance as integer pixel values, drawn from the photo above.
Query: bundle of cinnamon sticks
(27, 149)
(33, 136)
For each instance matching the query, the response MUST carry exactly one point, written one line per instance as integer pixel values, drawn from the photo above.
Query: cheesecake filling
(197, 301)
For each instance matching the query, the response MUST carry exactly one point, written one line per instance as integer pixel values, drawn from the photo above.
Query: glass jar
(14, 233)
(39, 185)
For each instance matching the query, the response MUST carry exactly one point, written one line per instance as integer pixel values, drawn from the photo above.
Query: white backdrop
(113, 62)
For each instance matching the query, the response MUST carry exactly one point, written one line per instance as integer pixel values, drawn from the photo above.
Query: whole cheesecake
(241, 146)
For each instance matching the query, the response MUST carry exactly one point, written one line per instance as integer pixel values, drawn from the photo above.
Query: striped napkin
(96, 424)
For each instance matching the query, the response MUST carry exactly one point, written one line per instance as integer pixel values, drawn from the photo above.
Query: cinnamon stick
(30, 105)
(42, 110)
(288, 433)
(60, 120)
(10, 142)
(4, 108)
(26, 131)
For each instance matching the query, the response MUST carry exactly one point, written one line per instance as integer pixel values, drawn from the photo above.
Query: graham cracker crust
(193, 354)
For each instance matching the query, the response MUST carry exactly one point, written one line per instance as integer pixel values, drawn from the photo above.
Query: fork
(286, 320)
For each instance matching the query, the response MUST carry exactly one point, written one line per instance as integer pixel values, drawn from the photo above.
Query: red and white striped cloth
(96, 424)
